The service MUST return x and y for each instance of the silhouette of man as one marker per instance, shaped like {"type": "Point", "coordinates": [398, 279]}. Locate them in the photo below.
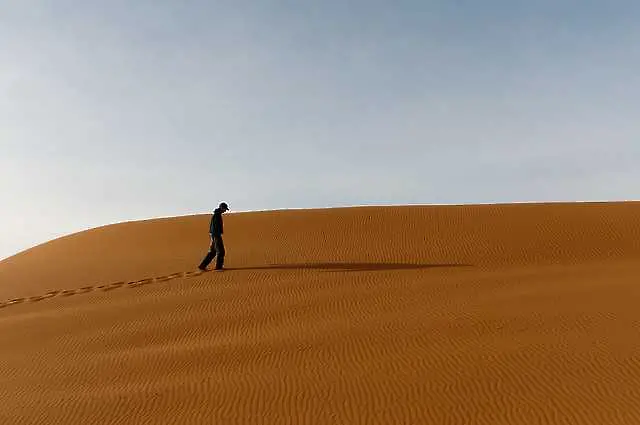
{"type": "Point", "coordinates": [216, 248]}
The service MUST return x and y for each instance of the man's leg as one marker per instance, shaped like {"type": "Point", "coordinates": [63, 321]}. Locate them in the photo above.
{"type": "Point", "coordinates": [207, 259]}
{"type": "Point", "coordinates": [219, 247]}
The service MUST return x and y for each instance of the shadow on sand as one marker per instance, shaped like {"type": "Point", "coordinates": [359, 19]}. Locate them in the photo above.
{"type": "Point", "coordinates": [350, 267]}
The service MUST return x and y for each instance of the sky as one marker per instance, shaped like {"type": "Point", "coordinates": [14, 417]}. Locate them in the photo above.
{"type": "Point", "coordinates": [119, 110]}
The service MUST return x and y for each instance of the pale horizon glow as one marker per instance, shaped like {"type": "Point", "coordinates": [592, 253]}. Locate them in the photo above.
{"type": "Point", "coordinates": [119, 111]}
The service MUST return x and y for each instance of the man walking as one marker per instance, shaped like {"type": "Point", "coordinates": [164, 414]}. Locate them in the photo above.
{"type": "Point", "coordinates": [216, 249]}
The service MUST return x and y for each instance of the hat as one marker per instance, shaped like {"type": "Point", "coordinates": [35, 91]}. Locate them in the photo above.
{"type": "Point", "coordinates": [224, 206]}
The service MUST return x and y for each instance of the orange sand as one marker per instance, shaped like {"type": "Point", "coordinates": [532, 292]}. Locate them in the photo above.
{"type": "Point", "coordinates": [502, 314]}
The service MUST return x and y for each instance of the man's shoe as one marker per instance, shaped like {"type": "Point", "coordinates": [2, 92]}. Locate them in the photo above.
{"type": "Point", "coordinates": [202, 269]}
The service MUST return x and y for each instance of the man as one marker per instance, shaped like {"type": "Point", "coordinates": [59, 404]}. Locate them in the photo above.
{"type": "Point", "coordinates": [216, 248]}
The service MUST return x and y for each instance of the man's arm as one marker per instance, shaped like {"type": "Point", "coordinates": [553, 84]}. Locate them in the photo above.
{"type": "Point", "coordinates": [216, 225]}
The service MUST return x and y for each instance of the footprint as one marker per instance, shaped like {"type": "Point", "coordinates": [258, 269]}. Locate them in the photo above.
{"type": "Point", "coordinates": [84, 290]}
{"type": "Point", "coordinates": [49, 294]}
{"type": "Point", "coordinates": [141, 282]}
{"type": "Point", "coordinates": [169, 277]}
{"type": "Point", "coordinates": [111, 286]}
{"type": "Point", "coordinates": [108, 287]}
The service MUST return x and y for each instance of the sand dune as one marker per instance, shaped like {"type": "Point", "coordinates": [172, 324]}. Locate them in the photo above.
{"type": "Point", "coordinates": [490, 314]}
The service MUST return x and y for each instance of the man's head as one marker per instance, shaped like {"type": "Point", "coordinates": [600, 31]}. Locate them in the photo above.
{"type": "Point", "coordinates": [223, 207]}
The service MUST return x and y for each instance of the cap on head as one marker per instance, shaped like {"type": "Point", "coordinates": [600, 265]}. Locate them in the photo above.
{"type": "Point", "coordinates": [223, 206]}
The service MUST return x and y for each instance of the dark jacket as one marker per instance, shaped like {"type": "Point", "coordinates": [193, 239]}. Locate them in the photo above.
{"type": "Point", "coordinates": [215, 227]}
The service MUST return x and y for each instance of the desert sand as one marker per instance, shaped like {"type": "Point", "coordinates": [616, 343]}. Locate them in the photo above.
{"type": "Point", "coordinates": [485, 314]}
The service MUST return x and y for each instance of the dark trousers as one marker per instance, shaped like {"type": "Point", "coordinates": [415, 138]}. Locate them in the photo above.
{"type": "Point", "coordinates": [216, 249]}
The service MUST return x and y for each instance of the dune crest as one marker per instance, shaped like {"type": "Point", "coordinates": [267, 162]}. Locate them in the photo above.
{"type": "Point", "coordinates": [483, 314]}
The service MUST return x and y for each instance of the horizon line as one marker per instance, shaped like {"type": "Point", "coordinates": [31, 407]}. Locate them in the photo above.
{"type": "Point", "coordinates": [390, 205]}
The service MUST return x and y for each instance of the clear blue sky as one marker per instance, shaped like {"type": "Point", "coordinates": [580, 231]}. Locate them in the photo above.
{"type": "Point", "coordinates": [118, 110]}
